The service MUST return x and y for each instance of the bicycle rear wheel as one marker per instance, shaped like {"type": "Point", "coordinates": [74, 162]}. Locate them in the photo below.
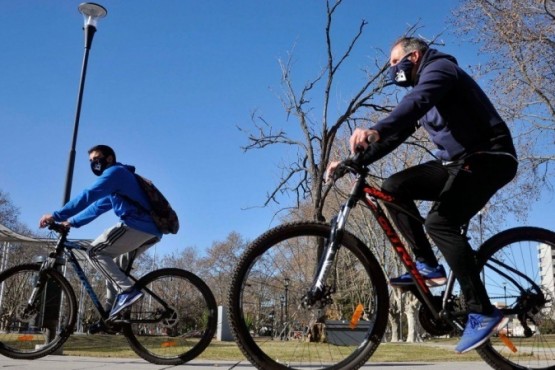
{"type": "Point", "coordinates": [174, 321]}
{"type": "Point", "coordinates": [519, 277]}
{"type": "Point", "coordinates": [29, 331]}
{"type": "Point", "coordinates": [272, 326]}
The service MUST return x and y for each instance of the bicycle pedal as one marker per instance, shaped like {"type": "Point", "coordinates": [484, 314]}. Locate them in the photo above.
{"type": "Point", "coordinates": [118, 320]}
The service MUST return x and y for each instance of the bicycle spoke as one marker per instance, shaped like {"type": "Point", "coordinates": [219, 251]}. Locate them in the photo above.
{"type": "Point", "coordinates": [519, 279]}
{"type": "Point", "coordinates": [275, 327]}
{"type": "Point", "coordinates": [174, 321]}
{"type": "Point", "coordinates": [34, 329]}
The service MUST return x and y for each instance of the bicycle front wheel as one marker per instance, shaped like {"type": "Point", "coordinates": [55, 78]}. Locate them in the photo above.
{"type": "Point", "coordinates": [175, 320]}
{"type": "Point", "coordinates": [33, 327]}
{"type": "Point", "coordinates": [519, 277]}
{"type": "Point", "coordinates": [275, 328]}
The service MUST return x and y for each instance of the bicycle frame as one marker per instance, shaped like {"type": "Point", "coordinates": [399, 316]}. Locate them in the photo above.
{"type": "Point", "coordinates": [66, 249]}
{"type": "Point", "coordinates": [369, 195]}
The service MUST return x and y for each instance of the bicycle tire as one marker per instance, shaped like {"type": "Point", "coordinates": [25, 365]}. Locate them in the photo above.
{"type": "Point", "coordinates": [521, 249]}
{"type": "Point", "coordinates": [189, 325]}
{"type": "Point", "coordinates": [289, 251]}
{"type": "Point", "coordinates": [26, 334]}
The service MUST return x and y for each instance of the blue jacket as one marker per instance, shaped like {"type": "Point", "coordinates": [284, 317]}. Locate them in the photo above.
{"type": "Point", "coordinates": [451, 107]}
{"type": "Point", "coordinates": [105, 194]}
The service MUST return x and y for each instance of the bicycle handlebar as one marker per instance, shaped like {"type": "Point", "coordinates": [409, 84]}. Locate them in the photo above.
{"type": "Point", "coordinates": [350, 165]}
{"type": "Point", "coordinates": [58, 227]}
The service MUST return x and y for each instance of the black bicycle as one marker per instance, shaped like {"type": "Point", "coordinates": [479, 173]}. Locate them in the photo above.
{"type": "Point", "coordinates": [308, 295]}
{"type": "Point", "coordinates": [172, 324]}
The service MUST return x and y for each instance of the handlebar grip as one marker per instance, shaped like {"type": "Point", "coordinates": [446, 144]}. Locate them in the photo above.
{"type": "Point", "coordinates": [58, 227]}
{"type": "Point", "coordinates": [357, 157]}
{"type": "Point", "coordinates": [371, 139]}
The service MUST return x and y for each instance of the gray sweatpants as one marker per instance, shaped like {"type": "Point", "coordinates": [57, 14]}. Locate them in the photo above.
{"type": "Point", "coordinates": [111, 253]}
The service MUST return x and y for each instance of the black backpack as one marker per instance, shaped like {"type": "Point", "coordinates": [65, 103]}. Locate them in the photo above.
{"type": "Point", "coordinates": [161, 211]}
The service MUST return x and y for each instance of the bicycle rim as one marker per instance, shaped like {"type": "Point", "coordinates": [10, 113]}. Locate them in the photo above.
{"type": "Point", "coordinates": [276, 331]}
{"type": "Point", "coordinates": [519, 279]}
{"type": "Point", "coordinates": [28, 332]}
{"type": "Point", "coordinates": [175, 320]}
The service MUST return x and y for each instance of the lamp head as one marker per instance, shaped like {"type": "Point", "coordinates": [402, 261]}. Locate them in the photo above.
{"type": "Point", "coordinates": [92, 12]}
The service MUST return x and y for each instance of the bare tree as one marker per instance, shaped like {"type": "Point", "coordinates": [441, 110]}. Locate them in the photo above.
{"type": "Point", "coordinates": [217, 266]}
{"type": "Point", "coordinates": [316, 145]}
{"type": "Point", "coordinates": [303, 177]}
{"type": "Point", "coordinates": [519, 37]}
{"type": "Point", "coordinates": [9, 215]}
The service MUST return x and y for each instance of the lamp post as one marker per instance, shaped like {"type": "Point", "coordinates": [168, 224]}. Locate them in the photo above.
{"type": "Point", "coordinates": [281, 306]}
{"type": "Point", "coordinates": [286, 286]}
{"type": "Point", "coordinates": [91, 13]}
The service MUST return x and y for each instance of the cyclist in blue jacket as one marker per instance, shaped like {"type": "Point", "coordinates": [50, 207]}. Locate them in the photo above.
{"type": "Point", "coordinates": [475, 157]}
{"type": "Point", "coordinates": [115, 189]}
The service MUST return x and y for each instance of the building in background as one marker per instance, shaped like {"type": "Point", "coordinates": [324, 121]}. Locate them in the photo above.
{"type": "Point", "coordinates": [546, 257]}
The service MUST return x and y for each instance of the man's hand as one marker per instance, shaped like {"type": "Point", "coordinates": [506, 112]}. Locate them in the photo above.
{"type": "Point", "coordinates": [45, 220]}
{"type": "Point", "coordinates": [361, 138]}
{"type": "Point", "coordinates": [330, 170]}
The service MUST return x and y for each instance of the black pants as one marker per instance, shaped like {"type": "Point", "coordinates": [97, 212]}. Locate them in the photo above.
{"type": "Point", "coordinates": [459, 190]}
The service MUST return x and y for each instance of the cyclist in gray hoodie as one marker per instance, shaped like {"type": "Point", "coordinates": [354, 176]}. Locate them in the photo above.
{"type": "Point", "coordinates": [475, 157]}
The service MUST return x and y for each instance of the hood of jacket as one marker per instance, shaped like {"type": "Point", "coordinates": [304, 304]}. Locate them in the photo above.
{"type": "Point", "coordinates": [431, 55]}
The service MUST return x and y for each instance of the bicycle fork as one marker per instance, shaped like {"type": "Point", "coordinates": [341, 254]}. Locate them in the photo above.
{"type": "Point", "coordinates": [319, 291]}
{"type": "Point", "coordinates": [28, 313]}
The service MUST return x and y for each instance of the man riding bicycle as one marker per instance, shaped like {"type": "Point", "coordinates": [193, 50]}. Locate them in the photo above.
{"type": "Point", "coordinates": [475, 158]}
{"type": "Point", "coordinates": [116, 188]}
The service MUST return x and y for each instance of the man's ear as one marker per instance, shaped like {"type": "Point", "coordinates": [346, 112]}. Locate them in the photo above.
{"type": "Point", "coordinates": [416, 56]}
{"type": "Point", "coordinates": [110, 159]}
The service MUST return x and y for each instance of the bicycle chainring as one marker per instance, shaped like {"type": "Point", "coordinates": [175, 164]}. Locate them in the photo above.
{"type": "Point", "coordinates": [434, 326]}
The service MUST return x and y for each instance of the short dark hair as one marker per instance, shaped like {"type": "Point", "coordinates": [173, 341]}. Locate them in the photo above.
{"type": "Point", "coordinates": [104, 149]}
{"type": "Point", "coordinates": [411, 44]}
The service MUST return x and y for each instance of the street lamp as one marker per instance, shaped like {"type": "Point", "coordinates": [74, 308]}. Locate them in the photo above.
{"type": "Point", "coordinates": [91, 13]}
{"type": "Point", "coordinates": [281, 306]}
{"type": "Point", "coordinates": [281, 323]}
{"type": "Point", "coordinates": [286, 286]}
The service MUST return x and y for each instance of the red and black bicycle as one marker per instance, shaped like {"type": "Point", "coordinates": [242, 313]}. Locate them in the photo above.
{"type": "Point", "coordinates": [308, 295]}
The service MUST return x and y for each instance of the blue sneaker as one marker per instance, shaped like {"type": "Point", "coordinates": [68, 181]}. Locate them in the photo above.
{"type": "Point", "coordinates": [124, 300]}
{"type": "Point", "coordinates": [479, 328]}
{"type": "Point", "coordinates": [434, 276]}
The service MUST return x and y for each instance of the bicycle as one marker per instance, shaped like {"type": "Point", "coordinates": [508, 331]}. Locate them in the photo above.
{"type": "Point", "coordinates": [336, 290]}
{"type": "Point", "coordinates": [172, 324]}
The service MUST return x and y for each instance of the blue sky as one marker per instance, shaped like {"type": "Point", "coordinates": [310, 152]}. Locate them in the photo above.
{"type": "Point", "coordinates": [167, 85]}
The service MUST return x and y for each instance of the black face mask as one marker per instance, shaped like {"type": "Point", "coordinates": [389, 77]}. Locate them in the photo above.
{"type": "Point", "coordinates": [401, 73]}
{"type": "Point", "coordinates": [99, 165]}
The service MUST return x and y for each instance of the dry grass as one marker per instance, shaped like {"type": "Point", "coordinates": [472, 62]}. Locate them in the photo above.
{"type": "Point", "coordinates": [117, 346]}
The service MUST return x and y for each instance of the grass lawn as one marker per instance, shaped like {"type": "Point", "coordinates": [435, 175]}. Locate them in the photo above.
{"type": "Point", "coordinates": [116, 346]}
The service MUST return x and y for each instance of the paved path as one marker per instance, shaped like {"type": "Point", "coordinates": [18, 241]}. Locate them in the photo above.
{"type": "Point", "coordinates": [96, 363]}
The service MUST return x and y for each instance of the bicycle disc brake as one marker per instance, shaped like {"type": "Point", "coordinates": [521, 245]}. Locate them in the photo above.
{"type": "Point", "coordinates": [528, 306]}
{"type": "Point", "coordinates": [320, 299]}
{"type": "Point", "coordinates": [170, 318]}
{"type": "Point", "coordinates": [26, 313]}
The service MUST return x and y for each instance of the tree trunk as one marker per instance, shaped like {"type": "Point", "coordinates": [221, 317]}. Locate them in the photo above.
{"type": "Point", "coordinates": [411, 313]}
{"type": "Point", "coordinates": [394, 324]}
